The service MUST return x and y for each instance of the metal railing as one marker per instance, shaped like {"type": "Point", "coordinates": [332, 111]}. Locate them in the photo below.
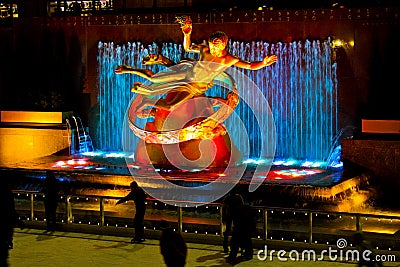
{"type": "Point", "coordinates": [272, 223]}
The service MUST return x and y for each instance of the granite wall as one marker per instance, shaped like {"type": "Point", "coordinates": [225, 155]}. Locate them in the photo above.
{"type": "Point", "coordinates": [381, 156]}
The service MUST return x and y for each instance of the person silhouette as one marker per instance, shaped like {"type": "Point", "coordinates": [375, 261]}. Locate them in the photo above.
{"type": "Point", "coordinates": [243, 227]}
{"type": "Point", "coordinates": [51, 189]}
{"type": "Point", "coordinates": [8, 220]}
{"type": "Point", "coordinates": [172, 246]}
{"type": "Point", "coordinates": [231, 202]}
{"type": "Point", "coordinates": [138, 195]}
{"type": "Point", "coordinates": [367, 255]}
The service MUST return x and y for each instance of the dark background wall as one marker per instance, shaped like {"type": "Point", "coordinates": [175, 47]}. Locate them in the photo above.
{"type": "Point", "coordinates": [51, 62]}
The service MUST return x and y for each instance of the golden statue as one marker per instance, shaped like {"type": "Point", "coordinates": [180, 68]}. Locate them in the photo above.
{"type": "Point", "coordinates": [188, 80]}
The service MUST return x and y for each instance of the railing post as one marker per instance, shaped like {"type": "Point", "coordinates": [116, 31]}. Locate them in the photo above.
{"type": "Point", "coordinates": [310, 226]}
{"type": "Point", "coordinates": [32, 206]}
{"type": "Point", "coordinates": [358, 224]}
{"type": "Point", "coordinates": [180, 219]}
{"type": "Point", "coordinates": [101, 211]}
{"type": "Point", "coordinates": [68, 209]}
{"type": "Point", "coordinates": [265, 224]}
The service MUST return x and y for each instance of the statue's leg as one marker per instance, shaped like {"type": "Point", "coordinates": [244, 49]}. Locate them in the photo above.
{"type": "Point", "coordinates": [161, 77]}
{"type": "Point", "coordinates": [160, 89]}
{"type": "Point", "coordinates": [144, 73]}
{"type": "Point", "coordinates": [142, 89]}
{"type": "Point", "coordinates": [150, 90]}
{"type": "Point", "coordinates": [169, 76]}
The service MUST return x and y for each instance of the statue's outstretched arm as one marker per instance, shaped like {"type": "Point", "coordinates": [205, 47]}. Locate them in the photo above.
{"type": "Point", "coordinates": [267, 61]}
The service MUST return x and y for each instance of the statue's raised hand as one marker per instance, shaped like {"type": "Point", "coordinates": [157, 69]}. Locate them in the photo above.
{"type": "Point", "coordinates": [185, 23]}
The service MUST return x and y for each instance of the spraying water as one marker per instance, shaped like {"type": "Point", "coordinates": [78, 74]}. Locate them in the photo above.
{"type": "Point", "coordinates": [301, 89]}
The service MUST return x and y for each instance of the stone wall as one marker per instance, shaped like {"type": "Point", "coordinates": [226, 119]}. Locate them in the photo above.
{"type": "Point", "coordinates": [380, 156]}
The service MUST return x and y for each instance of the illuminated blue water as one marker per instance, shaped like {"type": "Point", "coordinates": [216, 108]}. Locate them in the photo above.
{"type": "Point", "coordinates": [301, 89]}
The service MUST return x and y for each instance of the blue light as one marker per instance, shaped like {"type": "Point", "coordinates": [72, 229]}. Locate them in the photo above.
{"type": "Point", "coordinates": [301, 89]}
{"type": "Point", "coordinates": [92, 154]}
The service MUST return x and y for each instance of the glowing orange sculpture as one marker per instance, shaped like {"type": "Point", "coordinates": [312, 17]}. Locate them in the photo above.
{"type": "Point", "coordinates": [174, 124]}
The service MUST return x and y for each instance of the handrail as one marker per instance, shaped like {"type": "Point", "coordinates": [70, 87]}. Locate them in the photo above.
{"type": "Point", "coordinates": [354, 214]}
{"type": "Point", "coordinates": [265, 216]}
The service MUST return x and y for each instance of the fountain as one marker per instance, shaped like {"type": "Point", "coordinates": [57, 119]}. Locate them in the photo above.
{"type": "Point", "coordinates": [301, 89]}
{"type": "Point", "coordinates": [301, 103]}
{"type": "Point", "coordinates": [301, 100]}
